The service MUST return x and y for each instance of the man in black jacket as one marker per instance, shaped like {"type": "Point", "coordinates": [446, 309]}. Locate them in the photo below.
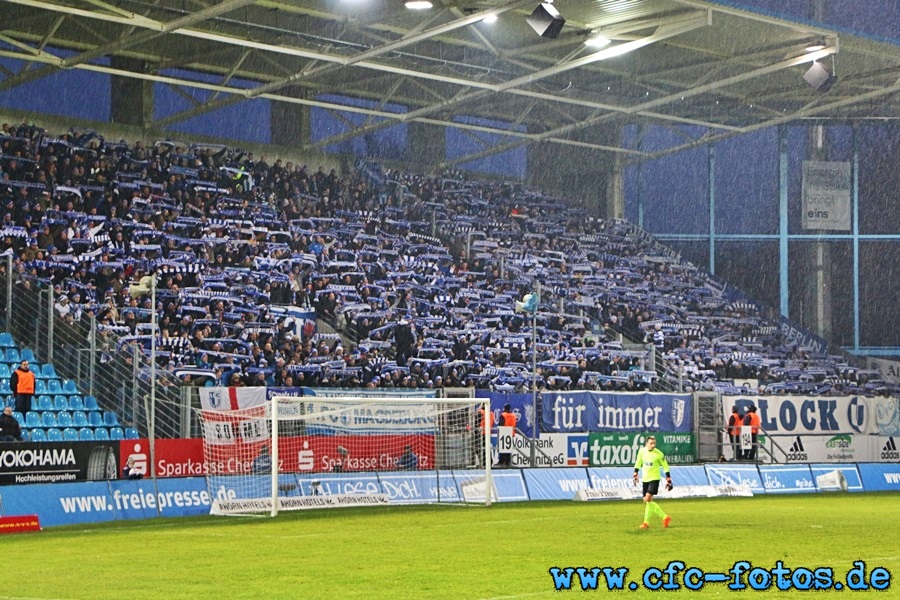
{"type": "Point", "coordinates": [9, 427]}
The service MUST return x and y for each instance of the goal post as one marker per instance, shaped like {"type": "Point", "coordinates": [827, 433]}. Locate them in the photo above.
{"type": "Point", "coordinates": [293, 452]}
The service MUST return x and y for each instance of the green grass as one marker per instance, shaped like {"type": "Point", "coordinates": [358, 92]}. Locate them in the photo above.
{"type": "Point", "coordinates": [447, 552]}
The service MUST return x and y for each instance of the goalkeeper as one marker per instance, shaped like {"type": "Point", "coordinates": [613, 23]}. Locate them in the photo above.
{"type": "Point", "coordinates": [654, 464]}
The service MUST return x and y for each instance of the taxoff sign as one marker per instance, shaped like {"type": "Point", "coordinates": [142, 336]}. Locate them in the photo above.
{"type": "Point", "coordinates": [620, 449]}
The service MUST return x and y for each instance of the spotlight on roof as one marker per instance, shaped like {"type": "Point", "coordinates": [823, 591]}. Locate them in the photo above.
{"type": "Point", "coordinates": [418, 4]}
{"type": "Point", "coordinates": [546, 21]}
{"type": "Point", "coordinates": [596, 41]}
{"type": "Point", "coordinates": [489, 19]}
{"type": "Point", "coordinates": [816, 46]}
{"type": "Point", "coordinates": [819, 77]}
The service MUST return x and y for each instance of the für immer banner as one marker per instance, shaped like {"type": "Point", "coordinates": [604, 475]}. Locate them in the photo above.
{"type": "Point", "coordinates": [565, 412]}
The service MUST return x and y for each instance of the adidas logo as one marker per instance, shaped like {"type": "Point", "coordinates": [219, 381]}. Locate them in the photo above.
{"type": "Point", "coordinates": [889, 452]}
{"type": "Point", "coordinates": [797, 451]}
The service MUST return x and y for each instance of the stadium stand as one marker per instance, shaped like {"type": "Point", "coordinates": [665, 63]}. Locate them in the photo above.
{"type": "Point", "coordinates": [417, 277]}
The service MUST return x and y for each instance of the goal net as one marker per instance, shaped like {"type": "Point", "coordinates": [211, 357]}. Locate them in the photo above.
{"type": "Point", "coordinates": [308, 452]}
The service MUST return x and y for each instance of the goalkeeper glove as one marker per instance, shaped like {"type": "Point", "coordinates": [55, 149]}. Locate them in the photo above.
{"type": "Point", "coordinates": [669, 485]}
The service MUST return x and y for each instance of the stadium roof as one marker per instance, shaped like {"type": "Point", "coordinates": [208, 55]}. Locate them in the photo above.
{"type": "Point", "coordinates": [670, 62]}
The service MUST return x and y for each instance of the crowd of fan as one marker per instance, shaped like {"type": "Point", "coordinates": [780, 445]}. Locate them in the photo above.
{"type": "Point", "coordinates": [418, 277]}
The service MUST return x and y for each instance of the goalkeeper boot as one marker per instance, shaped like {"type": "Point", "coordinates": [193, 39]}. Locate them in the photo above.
{"type": "Point", "coordinates": [645, 525]}
{"type": "Point", "coordinates": [666, 520]}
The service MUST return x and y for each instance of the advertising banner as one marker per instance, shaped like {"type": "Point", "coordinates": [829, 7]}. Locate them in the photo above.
{"type": "Point", "coordinates": [723, 474]}
{"type": "Point", "coordinates": [885, 449]}
{"type": "Point", "coordinates": [330, 453]}
{"type": "Point", "coordinates": [57, 462]}
{"type": "Point", "coordinates": [849, 476]}
{"type": "Point", "coordinates": [235, 398]}
{"type": "Point", "coordinates": [879, 477]}
{"type": "Point", "coordinates": [597, 411]}
{"type": "Point", "coordinates": [551, 450]}
{"type": "Point", "coordinates": [826, 195]}
{"type": "Point", "coordinates": [801, 415]}
{"type": "Point", "coordinates": [94, 502]}
{"type": "Point", "coordinates": [787, 479]}
{"type": "Point", "coordinates": [613, 478]}
{"type": "Point", "coordinates": [555, 484]}
{"type": "Point", "coordinates": [620, 449]}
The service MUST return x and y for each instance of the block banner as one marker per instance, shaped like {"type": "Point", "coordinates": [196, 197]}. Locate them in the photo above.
{"type": "Point", "coordinates": [788, 414]}
{"type": "Point", "coordinates": [880, 478]}
{"type": "Point", "coordinates": [555, 484]}
{"type": "Point", "coordinates": [787, 479]}
{"type": "Point", "coordinates": [848, 473]}
{"type": "Point", "coordinates": [628, 412]}
{"type": "Point", "coordinates": [735, 475]}
{"type": "Point", "coordinates": [620, 449]}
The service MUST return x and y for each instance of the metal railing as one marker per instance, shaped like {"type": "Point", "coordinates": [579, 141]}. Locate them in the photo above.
{"type": "Point", "coordinates": [65, 333]}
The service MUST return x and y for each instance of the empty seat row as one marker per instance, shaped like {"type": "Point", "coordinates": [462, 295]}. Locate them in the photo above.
{"type": "Point", "coordinates": [10, 359]}
{"type": "Point", "coordinates": [77, 418]}
{"type": "Point", "coordinates": [58, 402]}
{"type": "Point", "coordinates": [83, 434]}
{"type": "Point", "coordinates": [15, 356]}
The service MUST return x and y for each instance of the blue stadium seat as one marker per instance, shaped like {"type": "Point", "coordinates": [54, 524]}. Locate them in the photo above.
{"type": "Point", "coordinates": [81, 419]}
{"type": "Point", "coordinates": [86, 434]}
{"type": "Point", "coordinates": [76, 403]}
{"type": "Point", "coordinates": [48, 419]}
{"type": "Point", "coordinates": [70, 434]}
{"type": "Point", "coordinates": [69, 386]}
{"type": "Point", "coordinates": [12, 355]}
{"type": "Point", "coordinates": [4, 386]}
{"type": "Point", "coordinates": [32, 419]}
{"type": "Point", "coordinates": [6, 340]}
{"type": "Point", "coordinates": [110, 419]}
{"type": "Point", "coordinates": [90, 403]}
{"type": "Point", "coordinates": [131, 433]}
{"type": "Point", "coordinates": [54, 386]}
{"type": "Point", "coordinates": [101, 434]}
{"type": "Point", "coordinates": [95, 418]}
{"type": "Point", "coordinates": [40, 385]}
{"type": "Point", "coordinates": [64, 419]}
{"type": "Point", "coordinates": [20, 418]}
{"type": "Point", "coordinates": [60, 402]}
{"type": "Point", "coordinates": [48, 371]}
{"type": "Point", "coordinates": [27, 354]}
{"type": "Point", "coordinates": [43, 403]}
{"type": "Point", "coordinates": [116, 433]}
{"type": "Point", "coordinates": [37, 435]}
{"type": "Point", "coordinates": [54, 435]}
{"type": "Point", "coordinates": [7, 401]}
{"type": "Point", "coordinates": [5, 371]}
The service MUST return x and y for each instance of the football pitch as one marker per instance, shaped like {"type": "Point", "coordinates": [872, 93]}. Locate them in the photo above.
{"type": "Point", "coordinates": [502, 552]}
